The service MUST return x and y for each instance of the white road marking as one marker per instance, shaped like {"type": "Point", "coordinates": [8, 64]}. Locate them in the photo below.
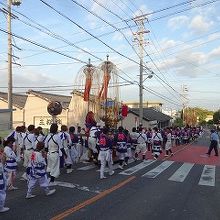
{"type": "Point", "coordinates": [158, 170]}
{"type": "Point", "coordinates": [208, 176]}
{"type": "Point", "coordinates": [182, 172]}
{"type": "Point", "coordinates": [89, 167]}
{"type": "Point", "coordinates": [138, 167]}
{"type": "Point", "coordinates": [72, 186]}
{"type": "Point", "coordinates": [115, 166]}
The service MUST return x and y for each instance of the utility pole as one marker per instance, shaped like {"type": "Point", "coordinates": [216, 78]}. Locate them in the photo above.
{"type": "Point", "coordinates": [139, 37]}
{"type": "Point", "coordinates": [9, 64]}
{"type": "Point", "coordinates": [185, 102]}
{"type": "Point", "coordinates": [10, 101]}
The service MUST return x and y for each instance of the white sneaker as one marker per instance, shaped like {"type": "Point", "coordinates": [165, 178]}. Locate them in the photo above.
{"type": "Point", "coordinates": [112, 172]}
{"type": "Point", "coordinates": [50, 192]}
{"type": "Point", "coordinates": [10, 188]}
{"type": "Point", "coordinates": [52, 184]}
{"type": "Point", "coordinates": [24, 176]}
{"type": "Point", "coordinates": [103, 177]}
{"type": "Point", "coordinates": [69, 170]}
{"type": "Point", "coordinates": [30, 196]}
{"type": "Point", "coordinates": [4, 209]}
{"type": "Point", "coordinates": [120, 167]}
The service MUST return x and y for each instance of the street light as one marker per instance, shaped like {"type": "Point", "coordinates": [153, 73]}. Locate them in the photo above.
{"type": "Point", "coordinates": [10, 105]}
{"type": "Point", "coordinates": [149, 76]}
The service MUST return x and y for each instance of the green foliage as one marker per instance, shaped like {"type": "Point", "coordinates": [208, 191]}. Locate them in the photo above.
{"type": "Point", "coordinates": [202, 123]}
{"type": "Point", "coordinates": [202, 113]}
{"type": "Point", "coordinates": [210, 122]}
{"type": "Point", "coordinates": [178, 122]}
{"type": "Point", "coordinates": [216, 117]}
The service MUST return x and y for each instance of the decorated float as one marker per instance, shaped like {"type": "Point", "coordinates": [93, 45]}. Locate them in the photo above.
{"type": "Point", "coordinates": [99, 86]}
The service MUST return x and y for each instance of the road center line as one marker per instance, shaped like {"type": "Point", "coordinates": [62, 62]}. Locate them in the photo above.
{"type": "Point", "coordinates": [91, 200]}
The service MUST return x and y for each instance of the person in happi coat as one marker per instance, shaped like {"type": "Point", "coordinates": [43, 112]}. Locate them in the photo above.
{"type": "Point", "coordinates": [36, 172]}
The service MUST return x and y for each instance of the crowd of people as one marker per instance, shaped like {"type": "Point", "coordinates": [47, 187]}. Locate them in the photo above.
{"type": "Point", "coordinates": [44, 155]}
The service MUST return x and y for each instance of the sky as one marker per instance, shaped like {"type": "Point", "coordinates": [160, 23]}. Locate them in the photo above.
{"type": "Point", "coordinates": [181, 47]}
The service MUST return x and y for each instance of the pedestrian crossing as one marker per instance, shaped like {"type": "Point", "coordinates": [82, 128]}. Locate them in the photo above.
{"type": "Point", "coordinates": [158, 170]}
{"type": "Point", "coordinates": [181, 174]}
{"type": "Point", "coordinates": [207, 178]}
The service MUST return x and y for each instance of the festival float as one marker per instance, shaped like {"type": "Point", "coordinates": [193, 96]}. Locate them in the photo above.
{"type": "Point", "coordinates": [99, 87]}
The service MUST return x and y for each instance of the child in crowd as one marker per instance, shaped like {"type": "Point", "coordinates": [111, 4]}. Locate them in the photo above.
{"type": "Point", "coordinates": [2, 183]}
{"type": "Point", "coordinates": [36, 172]}
{"type": "Point", "coordinates": [10, 163]}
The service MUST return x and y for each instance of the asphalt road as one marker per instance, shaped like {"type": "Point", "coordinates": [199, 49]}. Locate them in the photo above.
{"type": "Point", "coordinates": [147, 191]}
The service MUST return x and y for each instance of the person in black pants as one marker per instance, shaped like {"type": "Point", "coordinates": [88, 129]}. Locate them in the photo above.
{"type": "Point", "coordinates": [214, 138]}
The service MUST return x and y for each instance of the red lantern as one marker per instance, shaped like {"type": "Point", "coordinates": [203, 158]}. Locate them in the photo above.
{"type": "Point", "coordinates": [124, 110]}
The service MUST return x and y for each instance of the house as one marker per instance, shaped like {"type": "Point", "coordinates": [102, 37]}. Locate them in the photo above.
{"type": "Point", "coordinates": [151, 118]}
{"type": "Point", "coordinates": [146, 104]}
{"type": "Point", "coordinates": [36, 108]}
{"type": "Point", "coordinates": [32, 109]}
{"type": "Point", "coordinates": [18, 106]}
{"type": "Point", "coordinates": [5, 115]}
{"type": "Point", "coordinates": [209, 118]}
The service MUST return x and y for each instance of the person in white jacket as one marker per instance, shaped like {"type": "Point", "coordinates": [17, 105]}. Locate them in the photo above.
{"type": "Point", "coordinates": [28, 146]}
{"type": "Point", "coordinates": [10, 163]}
{"type": "Point", "coordinates": [54, 147]}
{"type": "Point", "coordinates": [168, 144]}
{"type": "Point", "coordinates": [3, 183]}
{"type": "Point", "coordinates": [156, 143]}
{"type": "Point", "coordinates": [66, 142]}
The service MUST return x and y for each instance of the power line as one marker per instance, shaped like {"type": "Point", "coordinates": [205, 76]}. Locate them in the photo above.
{"type": "Point", "coordinates": [105, 34]}
{"type": "Point", "coordinates": [42, 46]}
{"type": "Point", "coordinates": [193, 39]}
{"type": "Point", "coordinates": [167, 8]}
{"type": "Point", "coordinates": [52, 34]}
{"type": "Point", "coordinates": [79, 26]}
{"type": "Point", "coordinates": [139, 43]}
{"type": "Point", "coordinates": [99, 17]}
{"type": "Point", "coordinates": [187, 9]}
{"type": "Point", "coordinates": [124, 28]}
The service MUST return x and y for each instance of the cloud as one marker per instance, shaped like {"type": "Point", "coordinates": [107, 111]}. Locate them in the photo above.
{"type": "Point", "coordinates": [214, 36]}
{"type": "Point", "coordinates": [28, 78]}
{"type": "Point", "coordinates": [177, 22]}
{"type": "Point", "coordinates": [168, 43]}
{"type": "Point", "coordinates": [143, 9]}
{"type": "Point", "coordinates": [119, 36]}
{"type": "Point", "coordinates": [199, 24]}
{"type": "Point", "coordinates": [186, 64]}
{"type": "Point", "coordinates": [215, 53]}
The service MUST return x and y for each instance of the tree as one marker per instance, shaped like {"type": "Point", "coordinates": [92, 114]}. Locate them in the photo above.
{"type": "Point", "coordinates": [202, 113]}
{"type": "Point", "coordinates": [178, 122]}
{"type": "Point", "coordinates": [210, 122]}
{"type": "Point", "coordinates": [216, 117]}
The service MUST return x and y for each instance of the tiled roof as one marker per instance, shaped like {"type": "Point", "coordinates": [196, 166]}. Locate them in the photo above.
{"type": "Point", "coordinates": [64, 100]}
{"type": "Point", "coordinates": [151, 114]}
{"type": "Point", "coordinates": [18, 100]}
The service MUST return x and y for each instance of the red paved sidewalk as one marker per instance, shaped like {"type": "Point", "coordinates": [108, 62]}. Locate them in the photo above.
{"type": "Point", "coordinates": [196, 154]}
{"type": "Point", "coordinates": [190, 154]}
